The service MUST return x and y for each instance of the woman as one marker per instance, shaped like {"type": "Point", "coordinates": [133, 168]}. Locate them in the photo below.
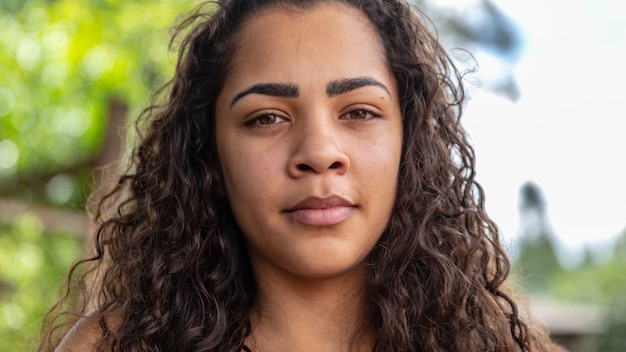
{"type": "Point", "coordinates": [305, 186]}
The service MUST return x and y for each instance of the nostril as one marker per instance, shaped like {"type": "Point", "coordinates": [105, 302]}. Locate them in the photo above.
{"type": "Point", "coordinates": [335, 165]}
{"type": "Point", "coordinates": [303, 167]}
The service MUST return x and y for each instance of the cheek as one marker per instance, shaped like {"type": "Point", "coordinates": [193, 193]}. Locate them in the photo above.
{"type": "Point", "coordinates": [251, 184]}
{"type": "Point", "coordinates": [384, 167]}
{"type": "Point", "coordinates": [381, 156]}
{"type": "Point", "coordinates": [248, 173]}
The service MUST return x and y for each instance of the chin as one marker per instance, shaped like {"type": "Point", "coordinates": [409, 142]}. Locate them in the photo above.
{"type": "Point", "coordinates": [329, 270]}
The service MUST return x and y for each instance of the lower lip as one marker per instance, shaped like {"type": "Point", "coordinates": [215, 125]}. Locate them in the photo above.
{"type": "Point", "coordinates": [322, 217]}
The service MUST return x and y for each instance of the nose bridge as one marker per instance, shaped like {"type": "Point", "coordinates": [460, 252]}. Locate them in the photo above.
{"type": "Point", "coordinates": [318, 145]}
{"type": "Point", "coordinates": [317, 133]}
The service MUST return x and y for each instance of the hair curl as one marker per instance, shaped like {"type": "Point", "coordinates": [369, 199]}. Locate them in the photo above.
{"type": "Point", "coordinates": [170, 263]}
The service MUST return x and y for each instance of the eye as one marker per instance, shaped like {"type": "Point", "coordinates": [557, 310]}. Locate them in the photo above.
{"type": "Point", "coordinates": [265, 119]}
{"type": "Point", "coordinates": [361, 113]}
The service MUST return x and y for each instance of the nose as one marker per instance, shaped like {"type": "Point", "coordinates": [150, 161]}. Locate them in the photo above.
{"type": "Point", "coordinates": [318, 149]}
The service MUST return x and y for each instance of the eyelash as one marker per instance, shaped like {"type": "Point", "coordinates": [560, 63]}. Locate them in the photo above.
{"type": "Point", "coordinates": [363, 109]}
{"type": "Point", "coordinates": [369, 114]}
{"type": "Point", "coordinates": [255, 121]}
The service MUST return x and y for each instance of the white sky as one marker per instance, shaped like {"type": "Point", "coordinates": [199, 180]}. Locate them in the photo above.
{"type": "Point", "coordinates": [567, 132]}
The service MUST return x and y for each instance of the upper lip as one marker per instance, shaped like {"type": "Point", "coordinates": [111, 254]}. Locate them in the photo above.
{"type": "Point", "coordinates": [320, 203]}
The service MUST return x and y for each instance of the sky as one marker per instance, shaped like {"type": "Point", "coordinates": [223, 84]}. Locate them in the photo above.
{"type": "Point", "coordinates": [567, 130]}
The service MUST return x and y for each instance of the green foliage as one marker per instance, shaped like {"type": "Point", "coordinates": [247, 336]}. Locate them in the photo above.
{"type": "Point", "coordinates": [32, 266]}
{"type": "Point", "coordinates": [62, 61]}
{"type": "Point", "coordinates": [597, 281]}
{"type": "Point", "coordinates": [614, 338]}
{"type": "Point", "coordinates": [537, 263]}
{"type": "Point", "coordinates": [602, 284]}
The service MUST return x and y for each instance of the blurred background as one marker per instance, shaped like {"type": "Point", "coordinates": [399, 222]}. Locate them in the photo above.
{"type": "Point", "coordinates": [544, 118]}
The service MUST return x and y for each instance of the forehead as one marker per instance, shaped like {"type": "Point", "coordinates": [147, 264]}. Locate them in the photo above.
{"type": "Point", "coordinates": [331, 38]}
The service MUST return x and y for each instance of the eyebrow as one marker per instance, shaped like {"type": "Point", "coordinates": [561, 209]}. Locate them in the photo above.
{"type": "Point", "coordinates": [286, 90]}
{"type": "Point", "coordinates": [346, 85]}
{"type": "Point", "coordinates": [289, 90]}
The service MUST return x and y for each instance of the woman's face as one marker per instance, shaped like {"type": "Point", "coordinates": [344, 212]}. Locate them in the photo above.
{"type": "Point", "coordinates": [309, 135]}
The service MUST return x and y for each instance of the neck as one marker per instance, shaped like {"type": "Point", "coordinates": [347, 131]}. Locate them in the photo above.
{"type": "Point", "coordinates": [304, 315]}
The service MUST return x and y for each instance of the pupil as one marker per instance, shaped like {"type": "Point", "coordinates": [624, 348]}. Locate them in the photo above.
{"type": "Point", "coordinates": [359, 114]}
{"type": "Point", "coordinates": [267, 119]}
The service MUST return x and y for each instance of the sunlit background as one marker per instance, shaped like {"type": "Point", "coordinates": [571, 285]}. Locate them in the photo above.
{"type": "Point", "coordinates": [563, 126]}
{"type": "Point", "coordinates": [545, 118]}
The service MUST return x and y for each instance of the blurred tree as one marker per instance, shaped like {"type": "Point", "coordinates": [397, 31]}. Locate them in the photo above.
{"type": "Point", "coordinates": [536, 260]}
{"type": "Point", "coordinates": [31, 267]}
{"type": "Point", "coordinates": [70, 71]}
{"type": "Point", "coordinates": [67, 67]}
{"type": "Point", "coordinates": [611, 279]}
{"type": "Point", "coordinates": [600, 282]}
{"type": "Point", "coordinates": [488, 29]}
{"type": "Point", "coordinates": [481, 26]}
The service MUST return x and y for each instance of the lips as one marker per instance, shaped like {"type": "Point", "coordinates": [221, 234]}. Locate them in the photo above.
{"type": "Point", "coordinates": [316, 211]}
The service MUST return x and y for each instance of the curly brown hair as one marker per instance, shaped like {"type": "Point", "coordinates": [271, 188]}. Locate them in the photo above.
{"type": "Point", "coordinates": [170, 269]}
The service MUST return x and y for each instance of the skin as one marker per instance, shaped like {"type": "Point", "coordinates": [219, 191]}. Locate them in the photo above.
{"type": "Point", "coordinates": [309, 135]}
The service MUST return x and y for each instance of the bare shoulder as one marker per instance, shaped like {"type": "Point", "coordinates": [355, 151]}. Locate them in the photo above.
{"type": "Point", "coordinates": [85, 335]}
